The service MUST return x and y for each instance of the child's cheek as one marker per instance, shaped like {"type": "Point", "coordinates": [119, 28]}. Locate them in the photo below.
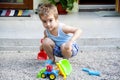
{"type": "Point", "coordinates": [53, 24]}
{"type": "Point", "coordinates": [45, 26]}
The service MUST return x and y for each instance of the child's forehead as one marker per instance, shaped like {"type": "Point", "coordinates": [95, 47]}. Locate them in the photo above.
{"type": "Point", "coordinates": [51, 16]}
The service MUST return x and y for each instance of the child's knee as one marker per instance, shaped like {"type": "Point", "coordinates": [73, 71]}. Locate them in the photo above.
{"type": "Point", "coordinates": [47, 42]}
{"type": "Point", "coordinates": [68, 49]}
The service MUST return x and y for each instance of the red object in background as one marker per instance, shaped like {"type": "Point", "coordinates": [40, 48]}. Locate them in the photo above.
{"type": "Point", "coordinates": [8, 13]}
{"type": "Point", "coordinates": [42, 55]}
{"type": "Point", "coordinates": [60, 9]}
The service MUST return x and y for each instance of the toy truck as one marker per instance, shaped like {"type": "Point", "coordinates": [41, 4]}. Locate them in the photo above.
{"type": "Point", "coordinates": [48, 72]}
{"type": "Point", "coordinates": [63, 68]}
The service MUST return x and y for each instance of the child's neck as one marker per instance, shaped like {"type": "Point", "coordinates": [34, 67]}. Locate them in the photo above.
{"type": "Point", "coordinates": [55, 31]}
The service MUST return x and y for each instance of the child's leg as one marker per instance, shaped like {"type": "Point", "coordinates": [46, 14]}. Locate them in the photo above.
{"type": "Point", "coordinates": [48, 46]}
{"type": "Point", "coordinates": [70, 52]}
{"type": "Point", "coordinates": [67, 53]}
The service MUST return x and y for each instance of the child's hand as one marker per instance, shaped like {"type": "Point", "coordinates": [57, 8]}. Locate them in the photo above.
{"type": "Point", "coordinates": [41, 47]}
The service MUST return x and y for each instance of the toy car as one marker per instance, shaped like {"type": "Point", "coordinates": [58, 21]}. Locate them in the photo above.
{"type": "Point", "coordinates": [63, 68]}
{"type": "Point", "coordinates": [48, 72]}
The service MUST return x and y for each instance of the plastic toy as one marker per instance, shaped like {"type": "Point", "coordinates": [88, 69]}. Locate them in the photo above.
{"type": "Point", "coordinates": [48, 72]}
{"type": "Point", "coordinates": [63, 68]}
{"type": "Point", "coordinates": [42, 55]}
{"type": "Point", "coordinates": [39, 75]}
{"type": "Point", "coordinates": [91, 72]}
{"type": "Point", "coordinates": [47, 62]}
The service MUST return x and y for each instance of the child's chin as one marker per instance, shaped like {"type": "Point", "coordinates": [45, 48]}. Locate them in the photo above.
{"type": "Point", "coordinates": [50, 29]}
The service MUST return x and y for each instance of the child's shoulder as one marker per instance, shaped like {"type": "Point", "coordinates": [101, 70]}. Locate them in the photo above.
{"type": "Point", "coordinates": [62, 25]}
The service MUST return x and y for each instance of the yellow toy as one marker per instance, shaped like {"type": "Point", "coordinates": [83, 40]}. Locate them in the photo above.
{"type": "Point", "coordinates": [63, 68]}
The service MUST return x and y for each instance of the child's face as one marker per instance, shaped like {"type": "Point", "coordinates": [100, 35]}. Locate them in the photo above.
{"type": "Point", "coordinates": [49, 22]}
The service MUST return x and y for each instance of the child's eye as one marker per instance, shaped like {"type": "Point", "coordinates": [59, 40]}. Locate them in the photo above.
{"type": "Point", "coordinates": [51, 20]}
{"type": "Point", "coordinates": [44, 21]}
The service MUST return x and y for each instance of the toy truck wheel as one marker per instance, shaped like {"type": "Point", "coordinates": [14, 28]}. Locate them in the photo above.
{"type": "Point", "coordinates": [52, 76]}
{"type": "Point", "coordinates": [43, 75]}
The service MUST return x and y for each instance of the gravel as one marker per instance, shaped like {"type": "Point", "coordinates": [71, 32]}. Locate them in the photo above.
{"type": "Point", "coordinates": [16, 65]}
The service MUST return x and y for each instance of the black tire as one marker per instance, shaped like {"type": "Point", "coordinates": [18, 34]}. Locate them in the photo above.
{"type": "Point", "coordinates": [43, 75]}
{"type": "Point", "coordinates": [52, 76]}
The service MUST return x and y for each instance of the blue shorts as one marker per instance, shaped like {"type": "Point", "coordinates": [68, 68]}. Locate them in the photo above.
{"type": "Point", "coordinates": [57, 50]}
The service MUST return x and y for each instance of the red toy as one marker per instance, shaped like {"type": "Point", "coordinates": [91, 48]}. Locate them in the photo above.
{"type": "Point", "coordinates": [49, 68]}
{"type": "Point", "coordinates": [42, 55]}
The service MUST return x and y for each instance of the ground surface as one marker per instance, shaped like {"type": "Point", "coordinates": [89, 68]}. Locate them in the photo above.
{"type": "Point", "coordinates": [25, 66]}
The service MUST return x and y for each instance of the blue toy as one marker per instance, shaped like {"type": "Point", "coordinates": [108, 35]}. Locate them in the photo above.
{"type": "Point", "coordinates": [48, 62]}
{"type": "Point", "coordinates": [91, 72]}
{"type": "Point", "coordinates": [48, 72]}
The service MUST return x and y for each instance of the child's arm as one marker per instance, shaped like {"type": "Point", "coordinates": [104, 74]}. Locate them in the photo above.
{"type": "Point", "coordinates": [41, 47]}
{"type": "Point", "coordinates": [75, 31]}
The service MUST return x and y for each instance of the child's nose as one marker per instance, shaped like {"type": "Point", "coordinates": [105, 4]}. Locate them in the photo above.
{"type": "Point", "coordinates": [48, 23]}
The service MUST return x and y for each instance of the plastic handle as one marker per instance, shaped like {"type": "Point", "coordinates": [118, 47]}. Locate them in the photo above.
{"type": "Point", "coordinates": [91, 72]}
{"type": "Point", "coordinates": [41, 40]}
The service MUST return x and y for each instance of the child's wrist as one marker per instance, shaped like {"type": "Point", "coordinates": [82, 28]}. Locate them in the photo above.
{"type": "Point", "coordinates": [71, 41]}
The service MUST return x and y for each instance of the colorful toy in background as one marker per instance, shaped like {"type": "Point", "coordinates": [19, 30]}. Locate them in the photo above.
{"type": "Point", "coordinates": [63, 68]}
{"type": "Point", "coordinates": [42, 55]}
{"type": "Point", "coordinates": [91, 72]}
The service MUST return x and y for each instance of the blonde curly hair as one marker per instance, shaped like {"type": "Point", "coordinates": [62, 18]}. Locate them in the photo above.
{"type": "Point", "coordinates": [47, 9]}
